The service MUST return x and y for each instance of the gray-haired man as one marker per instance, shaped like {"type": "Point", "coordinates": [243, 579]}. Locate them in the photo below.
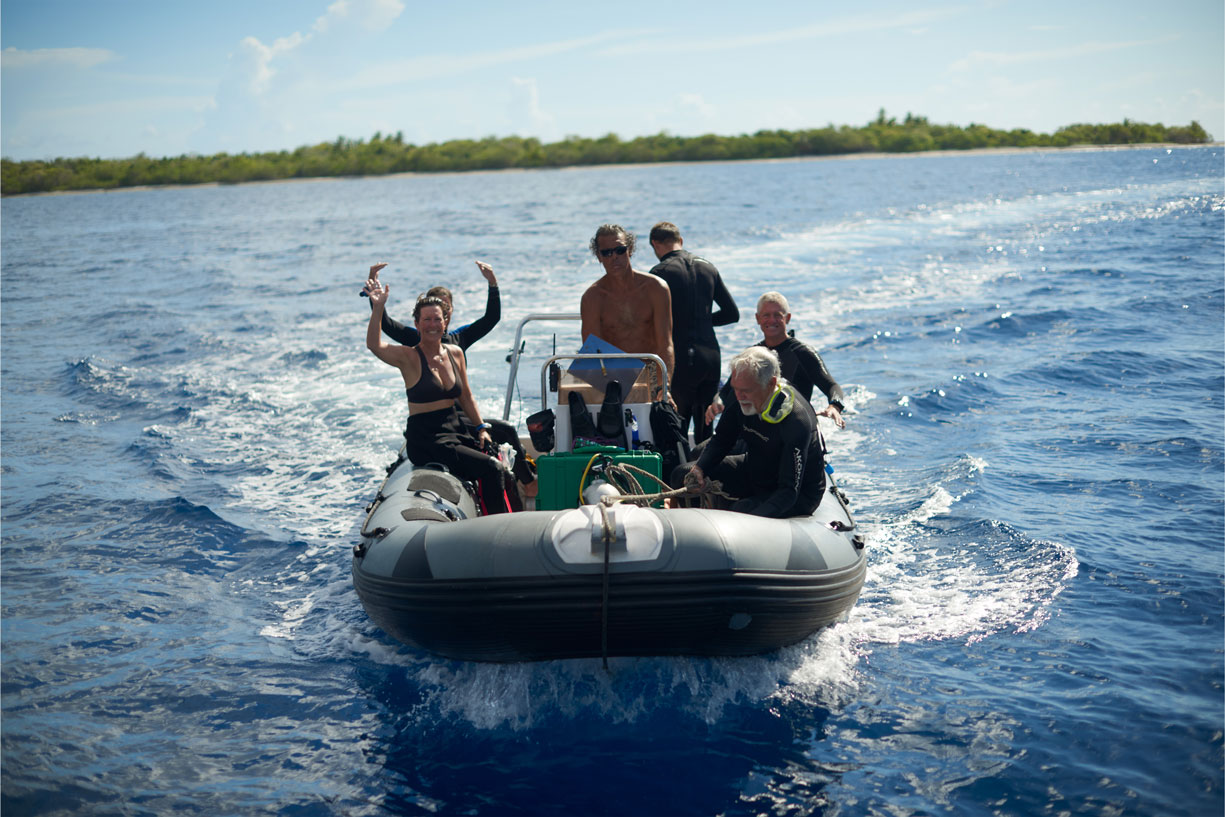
{"type": "Point", "coordinates": [782, 472]}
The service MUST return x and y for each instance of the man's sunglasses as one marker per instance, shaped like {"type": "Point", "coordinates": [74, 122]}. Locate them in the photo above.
{"type": "Point", "coordinates": [620, 249]}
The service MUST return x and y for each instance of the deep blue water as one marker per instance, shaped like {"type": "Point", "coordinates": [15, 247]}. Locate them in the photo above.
{"type": "Point", "coordinates": [1033, 347]}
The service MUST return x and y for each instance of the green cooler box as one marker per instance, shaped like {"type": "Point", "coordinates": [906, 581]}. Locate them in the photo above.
{"type": "Point", "coordinates": [558, 475]}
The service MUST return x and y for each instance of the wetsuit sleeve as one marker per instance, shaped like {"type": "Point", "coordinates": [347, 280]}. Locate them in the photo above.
{"type": "Point", "coordinates": [793, 459]}
{"type": "Point", "coordinates": [727, 311]}
{"type": "Point", "coordinates": [725, 436]}
{"type": "Point", "coordinates": [406, 335]}
{"type": "Point", "coordinates": [814, 369]}
{"type": "Point", "coordinates": [470, 334]}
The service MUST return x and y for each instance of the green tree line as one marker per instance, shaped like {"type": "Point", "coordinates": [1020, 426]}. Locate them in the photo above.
{"type": "Point", "coordinates": [390, 154]}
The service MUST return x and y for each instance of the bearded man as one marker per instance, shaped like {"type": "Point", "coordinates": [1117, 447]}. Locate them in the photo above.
{"type": "Point", "coordinates": [782, 472]}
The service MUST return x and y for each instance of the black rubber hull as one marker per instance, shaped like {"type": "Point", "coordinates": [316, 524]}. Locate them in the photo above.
{"type": "Point", "coordinates": [740, 613]}
{"type": "Point", "coordinates": [578, 583]}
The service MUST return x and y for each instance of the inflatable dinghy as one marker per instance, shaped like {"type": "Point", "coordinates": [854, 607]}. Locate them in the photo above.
{"type": "Point", "coordinates": [611, 578]}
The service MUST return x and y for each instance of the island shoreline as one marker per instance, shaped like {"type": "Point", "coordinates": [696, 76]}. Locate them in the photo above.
{"type": "Point", "coordinates": [931, 154]}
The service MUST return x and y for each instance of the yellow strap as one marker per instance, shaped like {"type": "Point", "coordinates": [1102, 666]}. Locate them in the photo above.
{"type": "Point", "coordinates": [783, 410]}
{"type": "Point", "coordinates": [583, 478]}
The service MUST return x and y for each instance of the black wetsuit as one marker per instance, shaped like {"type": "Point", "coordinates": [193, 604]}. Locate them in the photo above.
{"type": "Point", "coordinates": [696, 286]}
{"type": "Point", "coordinates": [783, 472]}
{"type": "Point", "coordinates": [803, 368]}
{"type": "Point", "coordinates": [463, 337]}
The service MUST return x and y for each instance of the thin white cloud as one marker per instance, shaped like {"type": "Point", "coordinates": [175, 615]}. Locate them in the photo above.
{"type": "Point", "coordinates": [256, 59]}
{"type": "Point", "coordinates": [524, 109]}
{"type": "Point", "coordinates": [415, 69]}
{"type": "Point", "coordinates": [54, 57]}
{"type": "Point", "coordinates": [694, 104]}
{"type": "Point", "coordinates": [112, 128]}
{"type": "Point", "coordinates": [372, 15]}
{"type": "Point", "coordinates": [199, 84]}
{"type": "Point", "coordinates": [976, 60]}
{"type": "Point", "coordinates": [144, 106]}
{"type": "Point", "coordinates": [833, 28]}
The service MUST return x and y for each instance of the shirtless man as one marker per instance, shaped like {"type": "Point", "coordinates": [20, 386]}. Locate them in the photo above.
{"type": "Point", "coordinates": [632, 310]}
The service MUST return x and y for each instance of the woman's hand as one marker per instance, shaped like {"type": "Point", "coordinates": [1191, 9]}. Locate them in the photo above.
{"type": "Point", "coordinates": [378, 294]}
{"type": "Point", "coordinates": [714, 410]}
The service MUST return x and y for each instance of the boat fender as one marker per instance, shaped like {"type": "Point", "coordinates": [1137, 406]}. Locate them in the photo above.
{"type": "Point", "coordinates": [597, 490]}
{"type": "Point", "coordinates": [579, 535]}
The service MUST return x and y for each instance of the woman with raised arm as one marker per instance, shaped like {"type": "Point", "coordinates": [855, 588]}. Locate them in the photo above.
{"type": "Point", "coordinates": [436, 382]}
{"type": "Point", "coordinates": [463, 337]}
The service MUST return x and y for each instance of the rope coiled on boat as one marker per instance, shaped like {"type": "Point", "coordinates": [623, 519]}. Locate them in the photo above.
{"type": "Point", "coordinates": [623, 478]}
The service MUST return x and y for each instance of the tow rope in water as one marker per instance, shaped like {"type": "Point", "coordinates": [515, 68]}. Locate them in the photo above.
{"type": "Point", "coordinates": [626, 472]}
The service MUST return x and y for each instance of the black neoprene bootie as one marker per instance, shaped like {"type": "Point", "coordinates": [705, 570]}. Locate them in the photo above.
{"type": "Point", "coordinates": [611, 419]}
{"type": "Point", "coordinates": [580, 418]}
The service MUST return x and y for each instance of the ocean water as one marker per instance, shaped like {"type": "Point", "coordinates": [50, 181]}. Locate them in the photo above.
{"type": "Point", "coordinates": [1033, 350]}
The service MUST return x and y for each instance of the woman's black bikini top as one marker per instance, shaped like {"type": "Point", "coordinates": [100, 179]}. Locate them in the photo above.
{"type": "Point", "coordinates": [428, 388]}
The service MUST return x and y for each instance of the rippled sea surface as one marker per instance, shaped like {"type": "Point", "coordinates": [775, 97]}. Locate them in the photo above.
{"type": "Point", "coordinates": [1033, 349]}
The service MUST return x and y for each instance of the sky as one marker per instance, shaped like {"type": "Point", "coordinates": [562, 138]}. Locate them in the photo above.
{"type": "Point", "coordinates": [170, 77]}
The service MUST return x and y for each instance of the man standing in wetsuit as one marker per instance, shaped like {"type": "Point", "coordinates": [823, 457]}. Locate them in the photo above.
{"type": "Point", "coordinates": [782, 472]}
{"type": "Point", "coordinates": [800, 364]}
{"type": "Point", "coordinates": [695, 285]}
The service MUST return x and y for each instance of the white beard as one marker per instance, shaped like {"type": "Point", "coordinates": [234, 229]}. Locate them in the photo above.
{"type": "Point", "coordinates": [747, 409]}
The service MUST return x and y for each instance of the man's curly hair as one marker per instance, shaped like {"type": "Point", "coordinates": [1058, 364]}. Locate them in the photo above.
{"type": "Point", "coordinates": [612, 229]}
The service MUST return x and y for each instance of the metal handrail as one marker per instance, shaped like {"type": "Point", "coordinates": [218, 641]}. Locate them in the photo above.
{"type": "Point", "coordinates": [516, 351]}
{"type": "Point", "coordinates": [647, 356]}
